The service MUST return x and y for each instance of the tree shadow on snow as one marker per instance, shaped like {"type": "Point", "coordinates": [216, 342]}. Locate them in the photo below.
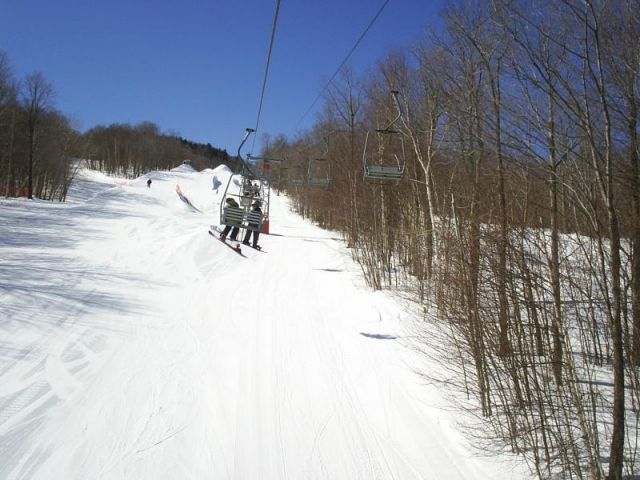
{"type": "Point", "coordinates": [378, 336]}
{"type": "Point", "coordinates": [305, 237]}
{"type": "Point", "coordinates": [51, 225]}
{"type": "Point", "coordinates": [61, 314]}
{"type": "Point", "coordinates": [44, 287]}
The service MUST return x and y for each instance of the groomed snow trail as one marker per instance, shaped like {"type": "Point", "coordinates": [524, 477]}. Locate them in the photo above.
{"type": "Point", "coordinates": [135, 346]}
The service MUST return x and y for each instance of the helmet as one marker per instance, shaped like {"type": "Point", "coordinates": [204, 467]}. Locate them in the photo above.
{"type": "Point", "coordinates": [257, 203]}
{"type": "Point", "coordinates": [229, 200]}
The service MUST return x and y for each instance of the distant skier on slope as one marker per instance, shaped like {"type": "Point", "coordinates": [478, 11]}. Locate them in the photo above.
{"type": "Point", "coordinates": [149, 183]}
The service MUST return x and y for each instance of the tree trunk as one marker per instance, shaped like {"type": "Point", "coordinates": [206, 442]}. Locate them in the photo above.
{"type": "Point", "coordinates": [635, 231]}
{"type": "Point", "coordinates": [554, 261]}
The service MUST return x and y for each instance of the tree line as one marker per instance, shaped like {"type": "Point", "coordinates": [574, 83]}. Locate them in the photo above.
{"type": "Point", "coordinates": [130, 151]}
{"type": "Point", "coordinates": [517, 225]}
{"type": "Point", "coordinates": [41, 151]}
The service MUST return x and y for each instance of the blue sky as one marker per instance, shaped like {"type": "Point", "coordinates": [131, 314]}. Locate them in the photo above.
{"type": "Point", "coordinates": [195, 68]}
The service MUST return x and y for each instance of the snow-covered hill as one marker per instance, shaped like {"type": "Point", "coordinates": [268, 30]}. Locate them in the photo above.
{"type": "Point", "coordinates": [134, 345]}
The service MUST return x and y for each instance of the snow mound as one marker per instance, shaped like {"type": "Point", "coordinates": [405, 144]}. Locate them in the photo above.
{"type": "Point", "coordinates": [184, 168]}
{"type": "Point", "coordinates": [98, 177]}
{"type": "Point", "coordinates": [222, 169]}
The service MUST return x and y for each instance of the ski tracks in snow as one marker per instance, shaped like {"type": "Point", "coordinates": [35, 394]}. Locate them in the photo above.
{"type": "Point", "coordinates": [166, 356]}
{"type": "Point", "coordinates": [317, 403]}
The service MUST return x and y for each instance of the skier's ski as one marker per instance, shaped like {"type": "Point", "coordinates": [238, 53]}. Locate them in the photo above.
{"type": "Point", "coordinates": [235, 249]}
{"type": "Point", "coordinates": [215, 229]}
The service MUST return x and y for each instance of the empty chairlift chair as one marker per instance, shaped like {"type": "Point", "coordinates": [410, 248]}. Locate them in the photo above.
{"type": "Point", "coordinates": [265, 165]}
{"type": "Point", "coordinates": [383, 157]}
{"type": "Point", "coordinates": [319, 173]}
{"type": "Point", "coordinates": [296, 175]}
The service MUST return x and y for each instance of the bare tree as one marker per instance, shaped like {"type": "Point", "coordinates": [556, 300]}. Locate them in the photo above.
{"type": "Point", "coordinates": [37, 98]}
{"type": "Point", "coordinates": [7, 86]}
{"type": "Point", "coordinates": [8, 110]}
{"type": "Point", "coordinates": [344, 99]}
{"type": "Point", "coordinates": [523, 131]}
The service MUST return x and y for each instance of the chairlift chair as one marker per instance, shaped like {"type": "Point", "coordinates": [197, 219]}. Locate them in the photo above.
{"type": "Point", "coordinates": [264, 165]}
{"type": "Point", "coordinates": [246, 193]}
{"type": "Point", "coordinates": [245, 187]}
{"type": "Point", "coordinates": [386, 163]}
{"type": "Point", "coordinates": [296, 175]}
{"type": "Point", "coordinates": [319, 173]}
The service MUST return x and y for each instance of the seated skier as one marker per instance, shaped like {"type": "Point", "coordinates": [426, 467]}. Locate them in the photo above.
{"type": "Point", "coordinates": [233, 227]}
{"type": "Point", "coordinates": [254, 221]}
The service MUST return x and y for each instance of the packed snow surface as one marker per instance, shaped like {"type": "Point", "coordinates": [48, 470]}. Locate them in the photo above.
{"type": "Point", "coordinates": [133, 345]}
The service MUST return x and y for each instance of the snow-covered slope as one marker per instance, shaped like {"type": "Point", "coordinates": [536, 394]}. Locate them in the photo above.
{"type": "Point", "coordinates": [134, 345]}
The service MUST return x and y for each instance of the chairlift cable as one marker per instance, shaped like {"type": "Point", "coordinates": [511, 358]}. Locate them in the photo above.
{"type": "Point", "coordinates": [366, 30]}
{"type": "Point", "coordinates": [246, 213]}
{"type": "Point", "coordinates": [266, 70]}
